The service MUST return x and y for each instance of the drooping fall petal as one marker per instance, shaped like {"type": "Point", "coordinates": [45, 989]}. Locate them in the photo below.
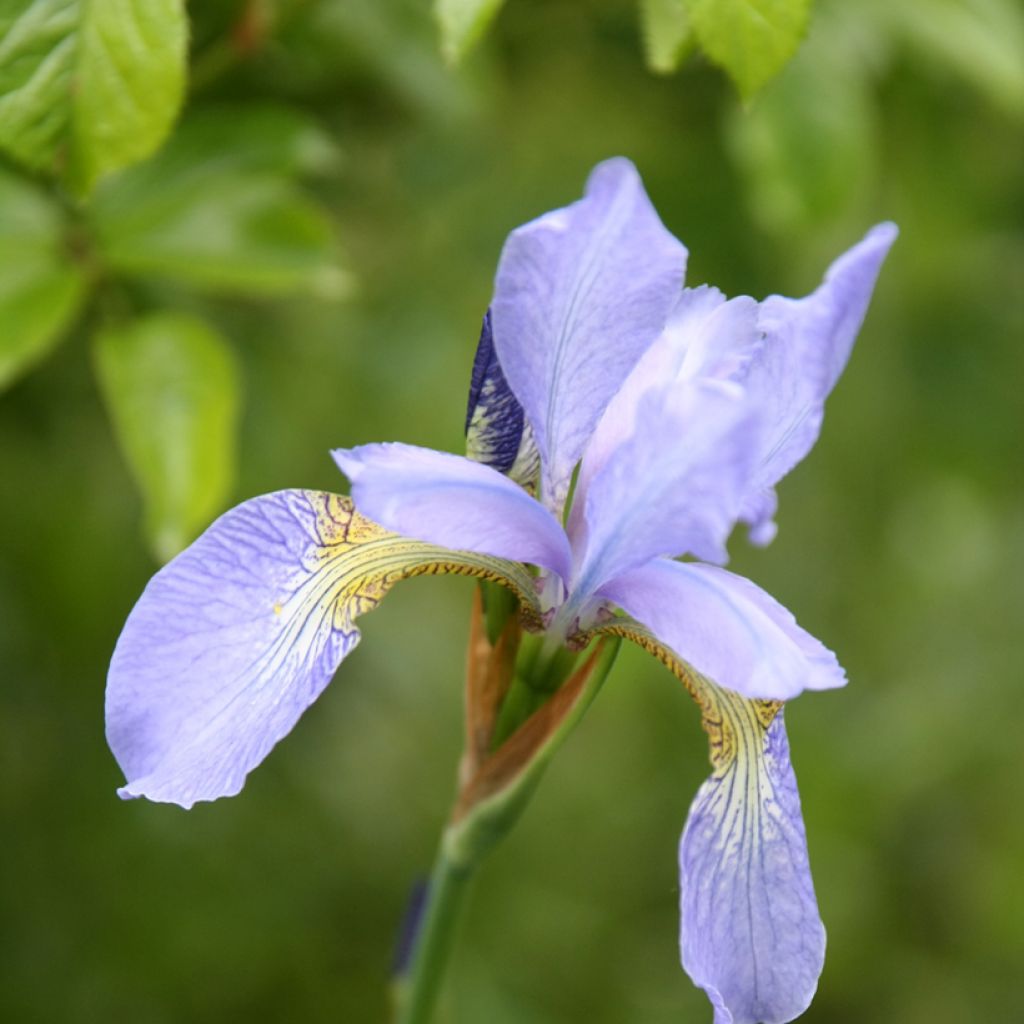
{"type": "Point", "coordinates": [237, 636]}
{"type": "Point", "coordinates": [750, 932]}
{"type": "Point", "coordinates": [727, 628]}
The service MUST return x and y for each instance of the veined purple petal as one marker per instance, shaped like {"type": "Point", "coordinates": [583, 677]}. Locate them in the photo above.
{"type": "Point", "coordinates": [705, 337]}
{"type": "Point", "coordinates": [674, 486]}
{"type": "Point", "coordinates": [497, 433]}
{"type": "Point", "coordinates": [228, 645]}
{"type": "Point", "coordinates": [454, 502]}
{"type": "Point", "coordinates": [579, 295]}
{"type": "Point", "coordinates": [240, 633]}
{"type": "Point", "coordinates": [750, 932]}
{"type": "Point", "coordinates": [727, 628]}
{"type": "Point", "coordinates": [807, 345]}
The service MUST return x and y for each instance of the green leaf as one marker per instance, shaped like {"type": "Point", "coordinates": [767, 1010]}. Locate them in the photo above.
{"type": "Point", "coordinates": [218, 208]}
{"type": "Point", "coordinates": [462, 23]}
{"type": "Point", "coordinates": [172, 390]}
{"type": "Point", "coordinates": [87, 87]}
{"type": "Point", "coordinates": [40, 287]}
{"type": "Point", "coordinates": [750, 39]}
{"type": "Point", "coordinates": [667, 33]}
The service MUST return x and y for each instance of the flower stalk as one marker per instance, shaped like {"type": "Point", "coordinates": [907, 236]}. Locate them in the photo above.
{"type": "Point", "coordinates": [495, 786]}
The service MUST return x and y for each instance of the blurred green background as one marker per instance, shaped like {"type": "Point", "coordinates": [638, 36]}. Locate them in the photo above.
{"type": "Point", "coordinates": [901, 539]}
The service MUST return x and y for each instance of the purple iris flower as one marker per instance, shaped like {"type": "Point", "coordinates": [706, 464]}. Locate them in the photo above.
{"type": "Point", "coordinates": [647, 418]}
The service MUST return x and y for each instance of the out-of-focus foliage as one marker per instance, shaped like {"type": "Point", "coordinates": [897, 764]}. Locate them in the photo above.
{"type": "Point", "coordinates": [40, 289]}
{"type": "Point", "coordinates": [86, 88]}
{"type": "Point", "coordinates": [750, 39]}
{"type": "Point", "coordinates": [901, 538]}
{"type": "Point", "coordinates": [171, 385]}
{"type": "Point", "coordinates": [667, 33]}
{"type": "Point", "coordinates": [462, 23]}
{"type": "Point", "coordinates": [219, 207]}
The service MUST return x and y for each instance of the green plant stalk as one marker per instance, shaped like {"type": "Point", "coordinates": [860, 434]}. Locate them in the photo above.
{"type": "Point", "coordinates": [464, 844]}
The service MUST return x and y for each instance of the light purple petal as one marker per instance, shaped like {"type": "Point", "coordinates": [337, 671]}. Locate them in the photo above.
{"type": "Point", "coordinates": [228, 645]}
{"type": "Point", "coordinates": [727, 628]}
{"type": "Point", "coordinates": [454, 502]}
{"type": "Point", "coordinates": [674, 486]}
{"type": "Point", "coordinates": [807, 345]}
{"type": "Point", "coordinates": [750, 932]}
{"type": "Point", "coordinates": [579, 295]}
{"type": "Point", "coordinates": [706, 337]}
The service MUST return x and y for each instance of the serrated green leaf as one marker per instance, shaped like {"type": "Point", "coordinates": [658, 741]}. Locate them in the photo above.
{"type": "Point", "coordinates": [462, 23]}
{"type": "Point", "coordinates": [217, 208]}
{"type": "Point", "coordinates": [750, 39]}
{"type": "Point", "coordinates": [171, 387]}
{"type": "Point", "coordinates": [89, 87]}
{"type": "Point", "coordinates": [40, 287]}
{"type": "Point", "coordinates": [667, 33]}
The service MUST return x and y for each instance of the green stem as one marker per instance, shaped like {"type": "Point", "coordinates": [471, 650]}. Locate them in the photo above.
{"type": "Point", "coordinates": [416, 992]}
{"type": "Point", "coordinates": [464, 845]}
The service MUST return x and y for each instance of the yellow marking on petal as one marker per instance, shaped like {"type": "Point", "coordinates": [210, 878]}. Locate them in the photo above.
{"type": "Point", "coordinates": [359, 561]}
{"type": "Point", "coordinates": [277, 607]}
{"type": "Point", "coordinates": [732, 722]}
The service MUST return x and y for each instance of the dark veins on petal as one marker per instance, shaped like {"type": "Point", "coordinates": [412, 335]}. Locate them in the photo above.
{"type": "Point", "coordinates": [496, 432]}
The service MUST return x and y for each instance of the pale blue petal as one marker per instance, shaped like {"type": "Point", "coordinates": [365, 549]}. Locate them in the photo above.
{"type": "Point", "coordinates": [579, 295]}
{"type": "Point", "coordinates": [807, 344]}
{"type": "Point", "coordinates": [727, 628]}
{"type": "Point", "coordinates": [228, 645]}
{"type": "Point", "coordinates": [750, 932]}
{"type": "Point", "coordinates": [706, 337]}
{"type": "Point", "coordinates": [454, 502]}
{"type": "Point", "coordinates": [674, 486]}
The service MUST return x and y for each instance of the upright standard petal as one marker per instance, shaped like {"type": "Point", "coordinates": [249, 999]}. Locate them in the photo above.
{"type": "Point", "coordinates": [497, 433]}
{"type": "Point", "coordinates": [727, 628]}
{"type": "Point", "coordinates": [579, 295]}
{"type": "Point", "coordinates": [750, 932]}
{"type": "Point", "coordinates": [807, 344]}
{"type": "Point", "coordinates": [452, 501]}
{"type": "Point", "coordinates": [705, 337]}
{"type": "Point", "coordinates": [673, 487]}
{"type": "Point", "coordinates": [238, 635]}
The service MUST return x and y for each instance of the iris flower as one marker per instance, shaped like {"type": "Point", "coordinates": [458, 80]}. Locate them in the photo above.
{"type": "Point", "coordinates": [617, 423]}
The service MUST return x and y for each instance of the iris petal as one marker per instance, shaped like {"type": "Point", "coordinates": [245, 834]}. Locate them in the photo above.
{"type": "Point", "coordinates": [705, 337]}
{"type": "Point", "coordinates": [750, 932]}
{"type": "Point", "coordinates": [579, 295]}
{"type": "Point", "coordinates": [807, 344]}
{"type": "Point", "coordinates": [238, 635]}
{"type": "Point", "coordinates": [452, 501]}
{"type": "Point", "coordinates": [726, 627]}
{"type": "Point", "coordinates": [674, 486]}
